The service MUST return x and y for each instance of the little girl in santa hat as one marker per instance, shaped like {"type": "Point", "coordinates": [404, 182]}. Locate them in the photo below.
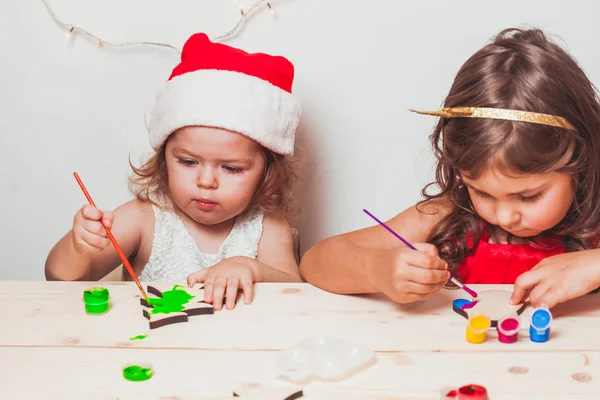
{"type": "Point", "coordinates": [214, 200]}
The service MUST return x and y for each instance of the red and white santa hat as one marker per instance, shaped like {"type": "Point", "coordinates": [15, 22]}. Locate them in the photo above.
{"type": "Point", "coordinates": [221, 86]}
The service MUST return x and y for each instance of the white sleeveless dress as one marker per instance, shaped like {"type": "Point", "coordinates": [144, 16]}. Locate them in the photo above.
{"type": "Point", "coordinates": [175, 255]}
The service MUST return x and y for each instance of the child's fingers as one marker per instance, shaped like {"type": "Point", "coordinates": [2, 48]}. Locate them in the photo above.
{"type": "Point", "coordinates": [525, 283]}
{"type": "Point", "coordinates": [83, 246]}
{"type": "Point", "coordinates": [90, 212]}
{"type": "Point", "coordinates": [519, 295]}
{"type": "Point", "coordinates": [541, 294]}
{"type": "Point", "coordinates": [232, 290]}
{"type": "Point", "coordinates": [95, 242]}
{"type": "Point", "coordinates": [426, 276]}
{"type": "Point", "coordinates": [248, 290]}
{"type": "Point", "coordinates": [427, 248]}
{"type": "Point", "coordinates": [197, 277]}
{"type": "Point", "coordinates": [419, 288]}
{"type": "Point", "coordinates": [107, 218]}
{"type": "Point", "coordinates": [219, 291]}
{"type": "Point", "coordinates": [423, 260]}
{"type": "Point", "coordinates": [208, 288]}
{"type": "Point", "coordinates": [94, 227]}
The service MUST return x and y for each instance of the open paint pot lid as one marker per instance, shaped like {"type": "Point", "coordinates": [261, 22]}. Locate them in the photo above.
{"type": "Point", "coordinates": [95, 300]}
{"type": "Point", "coordinates": [472, 392]}
{"type": "Point", "coordinates": [509, 324]}
{"type": "Point", "coordinates": [95, 295]}
{"type": "Point", "coordinates": [467, 392]}
{"type": "Point", "coordinates": [479, 323]}
{"type": "Point", "coordinates": [541, 318]}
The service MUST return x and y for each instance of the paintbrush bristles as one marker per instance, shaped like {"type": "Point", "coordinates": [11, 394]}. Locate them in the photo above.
{"type": "Point", "coordinates": [463, 287]}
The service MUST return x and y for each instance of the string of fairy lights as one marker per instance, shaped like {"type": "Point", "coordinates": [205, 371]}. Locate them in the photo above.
{"type": "Point", "coordinates": [245, 14]}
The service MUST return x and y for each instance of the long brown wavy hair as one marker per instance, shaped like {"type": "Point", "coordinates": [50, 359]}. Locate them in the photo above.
{"type": "Point", "coordinates": [274, 194]}
{"type": "Point", "coordinates": [521, 70]}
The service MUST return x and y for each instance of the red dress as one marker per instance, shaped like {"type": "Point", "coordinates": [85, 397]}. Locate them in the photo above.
{"type": "Point", "coordinates": [503, 263]}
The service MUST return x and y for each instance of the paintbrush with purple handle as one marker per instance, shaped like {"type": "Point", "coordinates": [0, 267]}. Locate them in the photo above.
{"type": "Point", "coordinates": [452, 279]}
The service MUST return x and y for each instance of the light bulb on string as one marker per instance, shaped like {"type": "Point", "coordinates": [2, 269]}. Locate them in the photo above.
{"type": "Point", "coordinates": [72, 29]}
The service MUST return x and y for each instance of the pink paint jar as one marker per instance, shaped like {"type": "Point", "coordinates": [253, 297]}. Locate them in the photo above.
{"type": "Point", "coordinates": [508, 328]}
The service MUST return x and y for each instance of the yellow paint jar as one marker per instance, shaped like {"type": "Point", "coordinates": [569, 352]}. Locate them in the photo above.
{"type": "Point", "coordinates": [477, 328]}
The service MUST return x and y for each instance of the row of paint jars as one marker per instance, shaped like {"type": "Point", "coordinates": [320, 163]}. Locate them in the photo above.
{"type": "Point", "coordinates": [508, 327]}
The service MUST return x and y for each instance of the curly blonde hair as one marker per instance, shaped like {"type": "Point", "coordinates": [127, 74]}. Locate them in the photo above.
{"type": "Point", "coordinates": [274, 194]}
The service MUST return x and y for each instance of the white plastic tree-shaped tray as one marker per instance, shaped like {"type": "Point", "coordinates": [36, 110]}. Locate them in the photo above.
{"type": "Point", "coordinates": [322, 358]}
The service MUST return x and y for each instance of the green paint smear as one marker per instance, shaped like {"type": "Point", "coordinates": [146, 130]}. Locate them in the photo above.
{"type": "Point", "coordinates": [173, 300]}
{"type": "Point", "coordinates": [138, 337]}
{"type": "Point", "coordinates": [136, 373]}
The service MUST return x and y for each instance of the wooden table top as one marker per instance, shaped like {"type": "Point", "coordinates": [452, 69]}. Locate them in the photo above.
{"type": "Point", "coordinates": [50, 348]}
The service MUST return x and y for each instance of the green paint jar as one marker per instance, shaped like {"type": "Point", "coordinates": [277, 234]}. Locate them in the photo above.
{"type": "Point", "coordinates": [96, 300]}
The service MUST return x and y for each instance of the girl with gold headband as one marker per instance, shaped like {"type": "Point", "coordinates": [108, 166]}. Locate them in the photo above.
{"type": "Point", "coordinates": [518, 177]}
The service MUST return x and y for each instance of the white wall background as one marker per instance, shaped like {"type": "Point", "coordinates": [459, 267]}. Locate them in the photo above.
{"type": "Point", "coordinates": [67, 105]}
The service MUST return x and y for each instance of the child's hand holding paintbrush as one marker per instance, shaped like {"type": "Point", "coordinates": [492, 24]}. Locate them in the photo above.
{"type": "Point", "coordinates": [79, 253]}
{"type": "Point", "coordinates": [406, 275]}
{"type": "Point", "coordinates": [371, 260]}
{"type": "Point", "coordinates": [89, 235]}
{"type": "Point", "coordinates": [424, 265]}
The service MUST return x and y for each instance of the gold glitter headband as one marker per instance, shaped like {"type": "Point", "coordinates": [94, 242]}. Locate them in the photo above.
{"type": "Point", "coordinates": [500, 113]}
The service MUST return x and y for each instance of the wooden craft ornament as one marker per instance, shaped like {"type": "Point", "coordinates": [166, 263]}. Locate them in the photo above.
{"type": "Point", "coordinates": [296, 395]}
{"type": "Point", "coordinates": [174, 304]}
{"type": "Point", "coordinates": [492, 303]}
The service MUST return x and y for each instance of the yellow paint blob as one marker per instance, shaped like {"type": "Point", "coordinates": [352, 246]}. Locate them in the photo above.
{"type": "Point", "coordinates": [476, 328]}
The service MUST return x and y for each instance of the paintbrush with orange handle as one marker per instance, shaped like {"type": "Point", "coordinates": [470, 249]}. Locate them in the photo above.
{"type": "Point", "coordinates": [113, 240]}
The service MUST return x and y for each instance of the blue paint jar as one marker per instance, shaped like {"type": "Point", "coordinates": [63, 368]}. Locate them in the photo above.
{"type": "Point", "coordinates": [539, 329]}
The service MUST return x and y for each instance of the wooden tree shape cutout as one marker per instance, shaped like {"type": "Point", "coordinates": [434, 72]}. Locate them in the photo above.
{"type": "Point", "coordinates": [174, 304]}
